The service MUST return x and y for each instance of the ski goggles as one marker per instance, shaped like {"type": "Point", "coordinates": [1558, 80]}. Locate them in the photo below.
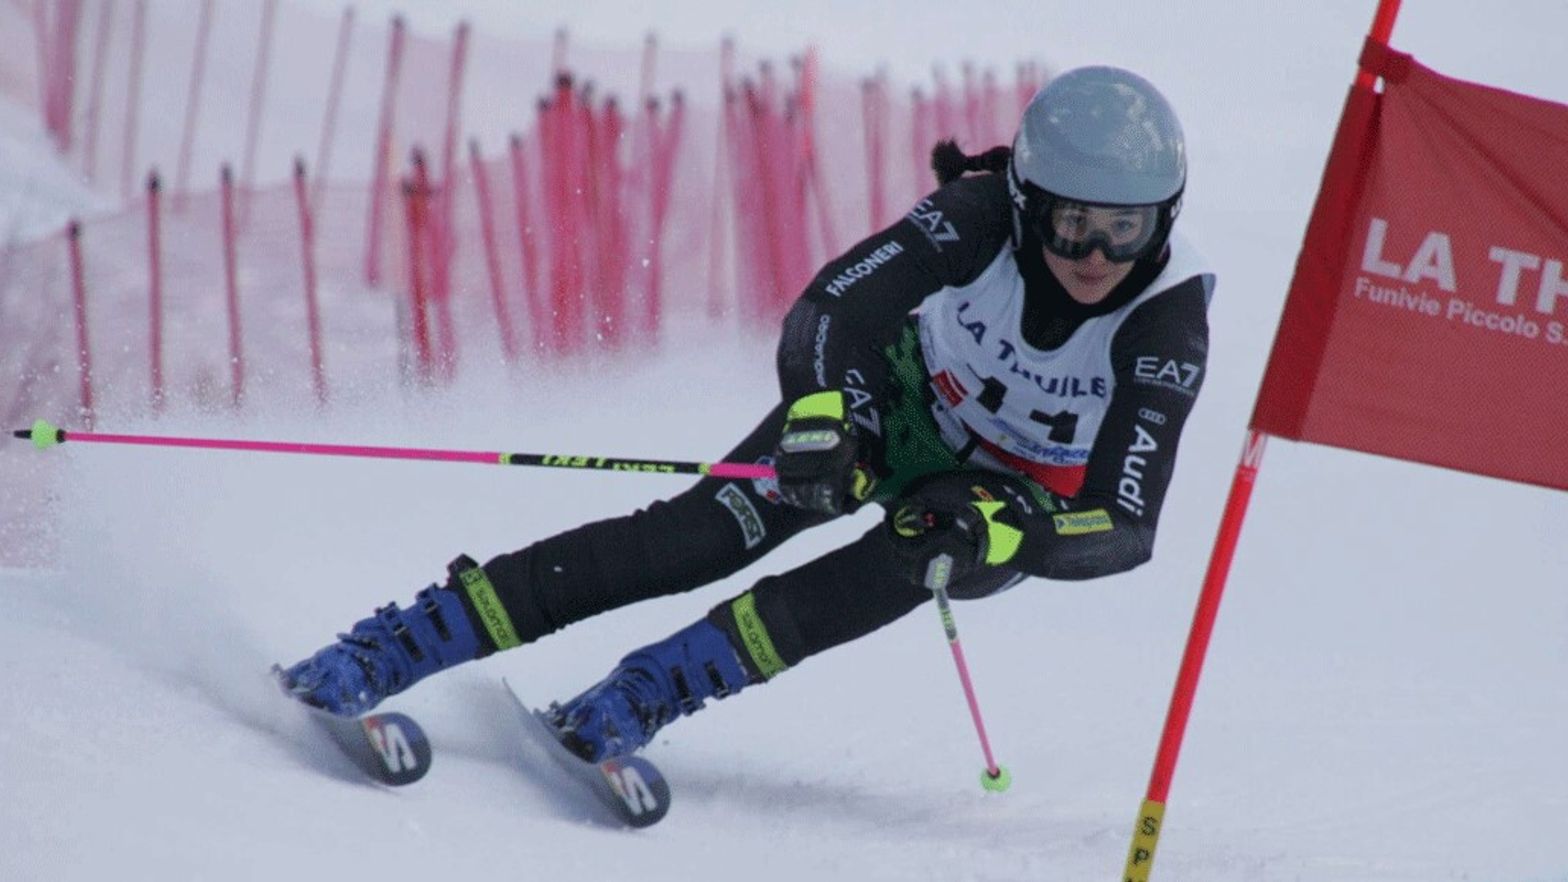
{"type": "Point", "coordinates": [1073, 229]}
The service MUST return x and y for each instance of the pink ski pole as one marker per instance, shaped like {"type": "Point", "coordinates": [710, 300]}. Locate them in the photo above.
{"type": "Point", "coordinates": [44, 434]}
{"type": "Point", "coordinates": [995, 777]}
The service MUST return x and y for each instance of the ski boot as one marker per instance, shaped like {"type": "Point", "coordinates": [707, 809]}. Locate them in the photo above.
{"type": "Point", "coordinates": [649, 688]}
{"type": "Point", "coordinates": [390, 651]}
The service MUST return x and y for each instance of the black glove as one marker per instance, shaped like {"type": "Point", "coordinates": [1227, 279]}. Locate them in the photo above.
{"type": "Point", "coordinates": [818, 454]}
{"type": "Point", "coordinates": [950, 527]}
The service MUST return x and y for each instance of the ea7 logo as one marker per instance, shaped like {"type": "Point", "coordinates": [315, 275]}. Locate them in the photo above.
{"type": "Point", "coordinates": [392, 746]}
{"type": "Point", "coordinates": [1167, 371]}
{"type": "Point", "coordinates": [931, 222]}
{"type": "Point", "coordinates": [629, 785]}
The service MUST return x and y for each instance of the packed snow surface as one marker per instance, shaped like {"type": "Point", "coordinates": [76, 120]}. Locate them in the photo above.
{"type": "Point", "coordinates": [1387, 687]}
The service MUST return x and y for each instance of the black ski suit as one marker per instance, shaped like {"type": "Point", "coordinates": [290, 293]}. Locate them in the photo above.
{"type": "Point", "coordinates": [852, 329]}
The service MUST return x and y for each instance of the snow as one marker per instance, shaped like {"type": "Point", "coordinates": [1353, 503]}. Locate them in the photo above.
{"type": "Point", "coordinates": [1384, 698]}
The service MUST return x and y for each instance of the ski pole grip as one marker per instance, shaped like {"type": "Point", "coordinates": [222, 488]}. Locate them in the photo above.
{"type": "Point", "coordinates": [939, 572]}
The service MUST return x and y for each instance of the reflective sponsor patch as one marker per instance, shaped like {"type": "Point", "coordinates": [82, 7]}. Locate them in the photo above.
{"type": "Point", "coordinates": [809, 441]}
{"type": "Point", "coordinates": [1077, 523]}
{"type": "Point", "coordinates": [751, 527]}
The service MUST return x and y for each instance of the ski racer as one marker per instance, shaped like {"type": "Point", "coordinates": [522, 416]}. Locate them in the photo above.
{"type": "Point", "coordinates": [1006, 370]}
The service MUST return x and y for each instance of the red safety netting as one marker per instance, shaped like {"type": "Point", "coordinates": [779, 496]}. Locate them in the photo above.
{"type": "Point", "coordinates": [483, 202]}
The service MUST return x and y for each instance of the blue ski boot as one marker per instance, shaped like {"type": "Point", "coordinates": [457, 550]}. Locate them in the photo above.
{"type": "Point", "coordinates": [648, 689]}
{"type": "Point", "coordinates": [391, 651]}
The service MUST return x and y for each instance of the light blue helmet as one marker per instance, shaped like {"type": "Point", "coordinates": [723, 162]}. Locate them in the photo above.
{"type": "Point", "coordinates": [1101, 136]}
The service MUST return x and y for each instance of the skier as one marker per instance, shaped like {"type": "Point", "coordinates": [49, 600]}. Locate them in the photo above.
{"type": "Point", "coordinates": [1006, 370]}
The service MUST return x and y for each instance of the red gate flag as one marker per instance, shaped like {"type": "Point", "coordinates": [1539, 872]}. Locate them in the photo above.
{"type": "Point", "coordinates": [1428, 317]}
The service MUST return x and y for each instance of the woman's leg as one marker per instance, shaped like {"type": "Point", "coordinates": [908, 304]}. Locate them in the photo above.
{"type": "Point", "coordinates": [834, 599]}
{"type": "Point", "coordinates": [841, 596]}
{"type": "Point", "coordinates": [711, 530]}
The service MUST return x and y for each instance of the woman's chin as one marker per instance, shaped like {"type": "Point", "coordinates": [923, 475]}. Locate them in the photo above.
{"type": "Point", "coordinates": [1089, 292]}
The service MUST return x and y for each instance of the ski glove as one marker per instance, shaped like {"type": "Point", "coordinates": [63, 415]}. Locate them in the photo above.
{"type": "Point", "coordinates": [950, 527]}
{"type": "Point", "coordinates": [817, 458]}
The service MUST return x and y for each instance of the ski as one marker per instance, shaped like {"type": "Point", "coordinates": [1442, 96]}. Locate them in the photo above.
{"type": "Point", "coordinates": [388, 747]}
{"type": "Point", "coordinates": [630, 789]}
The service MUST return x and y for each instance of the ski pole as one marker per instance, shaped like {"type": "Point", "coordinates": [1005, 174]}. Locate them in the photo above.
{"type": "Point", "coordinates": [995, 777]}
{"type": "Point", "coordinates": [45, 435]}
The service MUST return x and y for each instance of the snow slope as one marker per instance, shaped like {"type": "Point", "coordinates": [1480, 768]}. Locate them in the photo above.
{"type": "Point", "coordinates": [1385, 697]}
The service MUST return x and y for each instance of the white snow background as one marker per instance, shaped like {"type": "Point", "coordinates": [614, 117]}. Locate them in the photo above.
{"type": "Point", "coordinates": [1387, 688]}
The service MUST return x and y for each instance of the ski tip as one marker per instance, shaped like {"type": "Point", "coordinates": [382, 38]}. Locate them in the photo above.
{"type": "Point", "coordinates": [43, 434]}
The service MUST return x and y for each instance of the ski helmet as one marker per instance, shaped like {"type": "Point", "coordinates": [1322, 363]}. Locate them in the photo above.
{"type": "Point", "coordinates": [1099, 162]}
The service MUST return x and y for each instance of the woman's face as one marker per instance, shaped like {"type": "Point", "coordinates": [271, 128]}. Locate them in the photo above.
{"type": "Point", "coordinates": [1091, 278]}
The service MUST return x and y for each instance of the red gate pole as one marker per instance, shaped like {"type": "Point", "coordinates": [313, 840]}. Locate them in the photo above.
{"type": "Point", "coordinates": [765, 138]}
{"type": "Point", "coordinates": [133, 97]}
{"type": "Point", "coordinates": [155, 290]}
{"type": "Point", "coordinates": [920, 142]}
{"type": "Point", "coordinates": [84, 352]}
{"type": "Point", "coordinates": [1151, 816]}
{"type": "Point", "coordinates": [307, 239]}
{"type": "Point", "coordinates": [383, 158]}
{"type": "Point", "coordinates": [95, 92]}
{"type": "Point", "coordinates": [329, 123]}
{"type": "Point", "coordinates": [942, 106]}
{"type": "Point", "coordinates": [182, 171]}
{"type": "Point", "coordinates": [717, 237]}
{"type": "Point", "coordinates": [1382, 29]}
{"type": "Point", "coordinates": [666, 143]}
{"type": "Point", "coordinates": [533, 298]}
{"type": "Point", "coordinates": [68, 17]}
{"type": "Point", "coordinates": [552, 213]}
{"type": "Point", "coordinates": [971, 97]}
{"type": "Point", "coordinates": [560, 210]}
{"type": "Point", "coordinates": [258, 98]}
{"type": "Point", "coordinates": [503, 315]}
{"type": "Point", "coordinates": [579, 201]}
{"type": "Point", "coordinates": [419, 325]}
{"type": "Point", "coordinates": [751, 254]}
{"type": "Point", "coordinates": [45, 68]}
{"type": "Point", "coordinates": [231, 289]}
{"type": "Point", "coordinates": [588, 189]}
{"type": "Point", "coordinates": [813, 168]}
{"type": "Point", "coordinates": [871, 124]}
{"type": "Point", "coordinates": [444, 238]}
{"type": "Point", "coordinates": [990, 104]}
{"type": "Point", "coordinates": [429, 245]}
{"type": "Point", "coordinates": [613, 246]}
{"type": "Point", "coordinates": [1025, 84]}
{"type": "Point", "coordinates": [453, 116]}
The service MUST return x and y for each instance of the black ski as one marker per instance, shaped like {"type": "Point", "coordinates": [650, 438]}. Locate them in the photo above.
{"type": "Point", "coordinates": [630, 789]}
{"type": "Point", "coordinates": [389, 747]}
